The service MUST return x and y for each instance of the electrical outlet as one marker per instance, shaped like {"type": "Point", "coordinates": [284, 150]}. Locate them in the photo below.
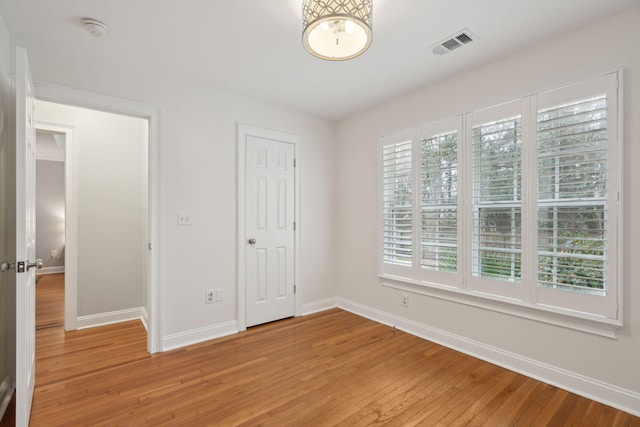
{"type": "Point", "coordinates": [184, 218]}
{"type": "Point", "coordinates": [404, 300]}
{"type": "Point", "coordinates": [54, 253]}
{"type": "Point", "coordinates": [209, 296]}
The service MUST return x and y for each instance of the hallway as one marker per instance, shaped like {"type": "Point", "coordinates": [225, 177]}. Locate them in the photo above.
{"type": "Point", "coordinates": [50, 301]}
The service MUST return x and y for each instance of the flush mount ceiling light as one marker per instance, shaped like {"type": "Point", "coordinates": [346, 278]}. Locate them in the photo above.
{"type": "Point", "coordinates": [336, 30]}
{"type": "Point", "coordinates": [93, 27]}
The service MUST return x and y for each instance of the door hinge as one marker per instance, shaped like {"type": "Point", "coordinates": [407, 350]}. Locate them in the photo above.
{"type": "Point", "coordinates": [149, 246]}
{"type": "Point", "coordinates": [294, 163]}
{"type": "Point", "coordinates": [294, 289]}
{"type": "Point", "coordinates": [294, 226]}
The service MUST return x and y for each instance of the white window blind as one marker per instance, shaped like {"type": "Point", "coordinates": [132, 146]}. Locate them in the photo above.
{"type": "Point", "coordinates": [397, 194]}
{"type": "Point", "coordinates": [519, 202]}
{"type": "Point", "coordinates": [497, 191]}
{"type": "Point", "coordinates": [439, 202]}
{"type": "Point", "coordinates": [572, 187]}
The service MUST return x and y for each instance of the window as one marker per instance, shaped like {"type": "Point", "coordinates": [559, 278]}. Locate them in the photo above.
{"type": "Point", "coordinates": [578, 175]}
{"type": "Point", "coordinates": [439, 202]}
{"type": "Point", "coordinates": [497, 199]}
{"type": "Point", "coordinates": [516, 201]}
{"type": "Point", "coordinates": [397, 190]}
{"type": "Point", "coordinates": [572, 155]}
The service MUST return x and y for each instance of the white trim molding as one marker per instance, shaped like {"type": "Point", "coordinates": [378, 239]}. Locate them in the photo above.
{"type": "Point", "coordinates": [102, 319]}
{"type": "Point", "coordinates": [198, 335]}
{"type": "Point", "coordinates": [549, 315]}
{"type": "Point", "coordinates": [243, 132]}
{"type": "Point", "coordinates": [50, 270]}
{"type": "Point", "coordinates": [318, 306]}
{"type": "Point", "coordinates": [96, 101]}
{"type": "Point", "coordinates": [144, 318]}
{"type": "Point", "coordinates": [71, 221]}
{"type": "Point", "coordinates": [617, 397]}
{"type": "Point", "coordinates": [195, 336]}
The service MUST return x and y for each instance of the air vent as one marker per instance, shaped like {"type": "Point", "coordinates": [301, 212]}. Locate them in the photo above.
{"type": "Point", "coordinates": [453, 42]}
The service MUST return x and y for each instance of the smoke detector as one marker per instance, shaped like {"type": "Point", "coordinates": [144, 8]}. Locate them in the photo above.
{"type": "Point", "coordinates": [94, 27]}
{"type": "Point", "coordinates": [458, 39]}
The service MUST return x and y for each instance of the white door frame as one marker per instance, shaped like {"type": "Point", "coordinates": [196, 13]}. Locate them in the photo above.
{"type": "Point", "coordinates": [80, 98]}
{"type": "Point", "coordinates": [70, 222]}
{"type": "Point", "coordinates": [245, 131]}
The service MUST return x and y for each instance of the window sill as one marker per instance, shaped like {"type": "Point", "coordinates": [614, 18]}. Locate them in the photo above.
{"type": "Point", "coordinates": [578, 321]}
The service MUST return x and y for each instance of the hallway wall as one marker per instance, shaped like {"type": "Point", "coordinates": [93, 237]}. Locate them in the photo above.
{"type": "Point", "coordinates": [50, 214]}
{"type": "Point", "coordinates": [112, 203]}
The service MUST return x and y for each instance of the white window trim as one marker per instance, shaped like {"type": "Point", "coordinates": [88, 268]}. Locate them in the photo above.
{"type": "Point", "coordinates": [530, 307]}
{"type": "Point", "coordinates": [477, 283]}
{"type": "Point", "coordinates": [578, 321]}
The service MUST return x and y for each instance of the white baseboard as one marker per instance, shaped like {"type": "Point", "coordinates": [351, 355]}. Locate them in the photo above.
{"type": "Point", "coordinates": [102, 319]}
{"type": "Point", "coordinates": [6, 392]}
{"type": "Point", "coordinates": [194, 336]}
{"type": "Point", "coordinates": [317, 306]}
{"type": "Point", "coordinates": [599, 391]}
{"type": "Point", "coordinates": [50, 270]}
{"type": "Point", "coordinates": [144, 318]}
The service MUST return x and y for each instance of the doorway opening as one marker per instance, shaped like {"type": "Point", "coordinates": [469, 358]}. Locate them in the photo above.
{"type": "Point", "coordinates": [108, 264]}
{"type": "Point", "coordinates": [50, 228]}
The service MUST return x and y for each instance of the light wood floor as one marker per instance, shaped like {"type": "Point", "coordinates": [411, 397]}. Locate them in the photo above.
{"type": "Point", "coordinates": [50, 300]}
{"type": "Point", "coordinates": [330, 368]}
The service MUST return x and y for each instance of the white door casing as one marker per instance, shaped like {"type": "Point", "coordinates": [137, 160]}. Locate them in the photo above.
{"type": "Point", "coordinates": [269, 228]}
{"type": "Point", "coordinates": [70, 227]}
{"type": "Point", "coordinates": [25, 238]}
{"type": "Point", "coordinates": [90, 100]}
{"type": "Point", "coordinates": [267, 236]}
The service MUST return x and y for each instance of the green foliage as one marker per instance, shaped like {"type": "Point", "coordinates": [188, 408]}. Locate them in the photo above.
{"type": "Point", "coordinates": [580, 263]}
{"type": "Point", "coordinates": [444, 259]}
{"type": "Point", "coordinates": [500, 265]}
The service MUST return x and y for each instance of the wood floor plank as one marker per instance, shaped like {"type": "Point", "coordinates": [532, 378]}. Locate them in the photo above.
{"type": "Point", "coordinates": [49, 300]}
{"type": "Point", "coordinates": [330, 368]}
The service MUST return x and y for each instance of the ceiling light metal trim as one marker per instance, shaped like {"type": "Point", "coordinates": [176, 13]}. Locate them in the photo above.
{"type": "Point", "coordinates": [337, 30]}
{"type": "Point", "coordinates": [94, 27]}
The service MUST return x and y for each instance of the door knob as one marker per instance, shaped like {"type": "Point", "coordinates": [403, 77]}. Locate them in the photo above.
{"type": "Point", "coordinates": [5, 266]}
{"type": "Point", "coordinates": [38, 264]}
{"type": "Point", "coordinates": [252, 241]}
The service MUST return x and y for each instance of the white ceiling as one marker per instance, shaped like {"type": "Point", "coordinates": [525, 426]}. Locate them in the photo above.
{"type": "Point", "coordinates": [253, 47]}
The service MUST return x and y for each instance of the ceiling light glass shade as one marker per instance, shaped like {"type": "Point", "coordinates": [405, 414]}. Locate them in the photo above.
{"type": "Point", "coordinates": [336, 30]}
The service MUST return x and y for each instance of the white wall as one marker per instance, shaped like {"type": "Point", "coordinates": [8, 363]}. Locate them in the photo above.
{"type": "Point", "coordinates": [50, 212]}
{"type": "Point", "coordinates": [198, 175]}
{"type": "Point", "coordinates": [590, 51]}
{"type": "Point", "coordinates": [112, 199]}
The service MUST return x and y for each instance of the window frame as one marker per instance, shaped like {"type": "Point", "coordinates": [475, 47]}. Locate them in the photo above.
{"type": "Point", "coordinates": [600, 315]}
{"type": "Point", "coordinates": [609, 84]}
{"type": "Point", "coordinates": [508, 289]}
{"type": "Point", "coordinates": [449, 279]}
{"type": "Point", "coordinates": [389, 269]}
